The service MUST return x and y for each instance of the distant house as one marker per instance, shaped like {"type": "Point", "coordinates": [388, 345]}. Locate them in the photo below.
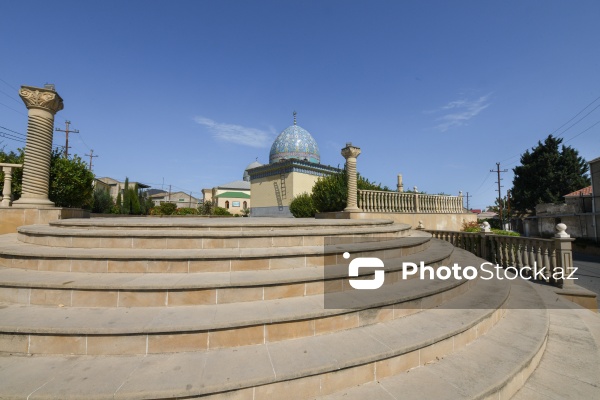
{"type": "Point", "coordinates": [234, 196]}
{"type": "Point", "coordinates": [580, 211]}
{"type": "Point", "coordinates": [580, 200]}
{"type": "Point", "coordinates": [116, 187]}
{"type": "Point", "coordinates": [181, 199]}
{"type": "Point", "coordinates": [475, 210]}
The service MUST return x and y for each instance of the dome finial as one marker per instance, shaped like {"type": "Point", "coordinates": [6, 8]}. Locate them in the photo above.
{"type": "Point", "coordinates": [295, 117]}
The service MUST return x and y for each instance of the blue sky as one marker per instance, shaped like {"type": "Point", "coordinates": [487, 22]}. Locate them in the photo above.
{"type": "Point", "coordinates": [190, 92]}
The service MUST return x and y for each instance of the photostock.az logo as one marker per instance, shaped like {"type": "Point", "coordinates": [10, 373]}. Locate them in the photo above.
{"type": "Point", "coordinates": [365, 262]}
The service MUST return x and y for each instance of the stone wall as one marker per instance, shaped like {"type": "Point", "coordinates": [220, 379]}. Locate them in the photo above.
{"type": "Point", "coordinates": [11, 218]}
{"type": "Point", "coordinates": [448, 222]}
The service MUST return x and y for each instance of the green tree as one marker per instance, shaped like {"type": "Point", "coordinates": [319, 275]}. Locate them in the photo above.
{"type": "Point", "coordinates": [103, 202]}
{"type": "Point", "coordinates": [134, 198]}
{"type": "Point", "coordinates": [126, 198]}
{"type": "Point", "coordinates": [71, 182]}
{"type": "Point", "coordinates": [119, 204]}
{"type": "Point", "coordinates": [330, 193]}
{"type": "Point", "coordinates": [546, 174]}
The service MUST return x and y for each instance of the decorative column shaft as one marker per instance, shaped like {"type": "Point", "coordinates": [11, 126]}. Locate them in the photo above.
{"type": "Point", "coordinates": [350, 153]}
{"type": "Point", "coordinates": [42, 104]}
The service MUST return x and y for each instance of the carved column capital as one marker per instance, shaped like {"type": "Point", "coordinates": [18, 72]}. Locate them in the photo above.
{"type": "Point", "coordinates": [45, 99]}
{"type": "Point", "coordinates": [350, 151]}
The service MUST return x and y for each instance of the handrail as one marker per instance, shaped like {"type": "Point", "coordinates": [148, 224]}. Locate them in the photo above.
{"type": "Point", "coordinates": [408, 202]}
{"type": "Point", "coordinates": [551, 258]}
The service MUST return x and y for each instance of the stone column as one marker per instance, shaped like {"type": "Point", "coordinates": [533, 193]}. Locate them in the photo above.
{"type": "Point", "coordinates": [350, 153]}
{"type": "Point", "coordinates": [7, 189]}
{"type": "Point", "coordinates": [564, 253]}
{"type": "Point", "coordinates": [42, 104]}
{"type": "Point", "coordinates": [400, 186]}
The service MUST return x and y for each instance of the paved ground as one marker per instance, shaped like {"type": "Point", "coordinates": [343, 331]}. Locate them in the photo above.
{"type": "Point", "coordinates": [588, 273]}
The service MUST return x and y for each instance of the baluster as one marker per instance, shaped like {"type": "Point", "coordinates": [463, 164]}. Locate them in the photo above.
{"type": "Point", "coordinates": [518, 251]}
{"type": "Point", "coordinates": [510, 251]}
{"type": "Point", "coordinates": [538, 255]}
{"type": "Point", "coordinates": [546, 259]}
{"type": "Point", "coordinates": [553, 264]}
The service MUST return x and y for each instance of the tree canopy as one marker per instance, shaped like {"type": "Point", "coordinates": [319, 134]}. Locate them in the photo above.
{"type": "Point", "coordinates": [547, 173]}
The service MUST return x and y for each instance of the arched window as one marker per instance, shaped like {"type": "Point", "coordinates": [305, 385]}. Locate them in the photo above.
{"type": "Point", "coordinates": [227, 204]}
{"type": "Point", "coordinates": [245, 204]}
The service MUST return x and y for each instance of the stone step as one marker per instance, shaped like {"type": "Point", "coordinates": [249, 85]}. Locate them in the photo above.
{"type": "Point", "coordinates": [216, 224]}
{"type": "Point", "coordinates": [570, 366]}
{"type": "Point", "coordinates": [79, 289]}
{"type": "Point", "coordinates": [300, 368]}
{"type": "Point", "coordinates": [15, 254]}
{"type": "Point", "coordinates": [141, 330]}
{"type": "Point", "coordinates": [127, 238]}
{"type": "Point", "coordinates": [493, 367]}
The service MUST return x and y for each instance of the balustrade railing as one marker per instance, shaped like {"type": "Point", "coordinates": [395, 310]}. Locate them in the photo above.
{"type": "Point", "coordinates": [549, 260]}
{"type": "Point", "coordinates": [7, 189]}
{"type": "Point", "coordinates": [404, 202]}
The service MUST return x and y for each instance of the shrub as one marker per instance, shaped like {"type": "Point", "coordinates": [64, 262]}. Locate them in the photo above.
{"type": "Point", "coordinates": [505, 233]}
{"type": "Point", "coordinates": [186, 211]}
{"type": "Point", "coordinates": [103, 202]}
{"type": "Point", "coordinates": [220, 211]}
{"type": "Point", "coordinates": [167, 208]}
{"type": "Point", "coordinates": [329, 193]}
{"type": "Point", "coordinates": [302, 206]}
{"type": "Point", "coordinates": [472, 226]}
{"type": "Point", "coordinates": [206, 208]}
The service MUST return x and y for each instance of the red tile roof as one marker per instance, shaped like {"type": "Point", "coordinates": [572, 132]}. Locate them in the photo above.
{"type": "Point", "coordinates": [587, 191]}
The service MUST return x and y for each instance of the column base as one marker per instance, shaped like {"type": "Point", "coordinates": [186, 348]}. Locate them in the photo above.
{"type": "Point", "coordinates": [352, 209]}
{"type": "Point", "coordinates": [32, 202]}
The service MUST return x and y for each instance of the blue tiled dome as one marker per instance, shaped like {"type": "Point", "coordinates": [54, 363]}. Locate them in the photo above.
{"type": "Point", "coordinates": [294, 142]}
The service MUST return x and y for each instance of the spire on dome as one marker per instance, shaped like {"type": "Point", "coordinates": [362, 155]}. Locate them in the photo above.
{"type": "Point", "coordinates": [295, 117]}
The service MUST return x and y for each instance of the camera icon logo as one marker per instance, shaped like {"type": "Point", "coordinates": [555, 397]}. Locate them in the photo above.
{"type": "Point", "coordinates": [365, 262]}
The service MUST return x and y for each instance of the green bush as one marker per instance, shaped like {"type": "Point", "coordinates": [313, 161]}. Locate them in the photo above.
{"type": "Point", "coordinates": [220, 211]}
{"type": "Point", "coordinates": [167, 208]}
{"type": "Point", "coordinates": [472, 226]}
{"type": "Point", "coordinates": [103, 203]}
{"type": "Point", "coordinates": [71, 182]}
{"type": "Point", "coordinates": [329, 193]}
{"type": "Point", "coordinates": [505, 233]}
{"type": "Point", "coordinates": [302, 206]}
{"type": "Point", "coordinates": [186, 211]}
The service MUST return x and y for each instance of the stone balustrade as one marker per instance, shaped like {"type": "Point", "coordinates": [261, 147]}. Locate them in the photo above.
{"type": "Point", "coordinates": [6, 197]}
{"type": "Point", "coordinates": [552, 256]}
{"type": "Point", "coordinates": [403, 202]}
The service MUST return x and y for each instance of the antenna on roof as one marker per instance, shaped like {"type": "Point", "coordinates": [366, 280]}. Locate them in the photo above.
{"type": "Point", "coordinates": [295, 117]}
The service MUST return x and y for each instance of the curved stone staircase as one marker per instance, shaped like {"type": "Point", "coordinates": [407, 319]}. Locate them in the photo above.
{"type": "Point", "coordinates": [234, 309]}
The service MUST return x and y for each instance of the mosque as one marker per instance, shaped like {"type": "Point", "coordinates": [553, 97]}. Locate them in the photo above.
{"type": "Point", "coordinates": [268, 189]}
{"type": "Point", "coordinates": [294, 167]}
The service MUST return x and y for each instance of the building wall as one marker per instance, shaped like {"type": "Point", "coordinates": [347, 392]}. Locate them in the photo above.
{"type": "Point", "coordinates": [181, 199]}
{"type": "Point", "coordinates": [263, 192]}
{"type": "Point", "coordinates": [234, 209]}
{"type": "Point", "coordinates": [302, 183]}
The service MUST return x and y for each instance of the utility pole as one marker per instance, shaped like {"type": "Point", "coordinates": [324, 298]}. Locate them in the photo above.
{"type": "Point", "coordinates": [467, 196]}
{"type": "Point", "coordinates": [66, 131]}
{"type": "Point", "coordinates": [169, 194]}
{"type": "Point", "coordinates": [498, 171]}
{"type": "Point", "coordinates": [91, 155]}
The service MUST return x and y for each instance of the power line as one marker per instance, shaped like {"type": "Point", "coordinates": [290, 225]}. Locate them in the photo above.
{"type": "Point", "coordinates": [11, 97]}
{"type": "Point", "coordinates": [581, 119]}
{"type": "Point", "coordinates": [8, 84]}
{"type": "Point", "coordinates": [10, 108]}
{"type": "Point", "coordinates": [582, 132]}
{"type": "Point", "coordinates": [582, 110]}
{"type": "Point", "coordinates": [10, 130]}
